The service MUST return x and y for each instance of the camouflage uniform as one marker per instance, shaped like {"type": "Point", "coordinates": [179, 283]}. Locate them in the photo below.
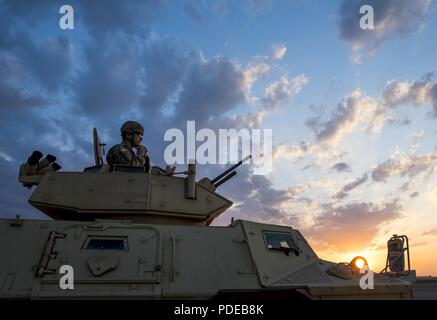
{"type": "Point", "coordinates": [122, 154]}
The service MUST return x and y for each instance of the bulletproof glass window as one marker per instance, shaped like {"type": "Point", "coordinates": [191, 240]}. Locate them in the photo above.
{"type": "Point", "coordinates": [106, 243]}
{"type": "Point", "coordinates": [280, 241]}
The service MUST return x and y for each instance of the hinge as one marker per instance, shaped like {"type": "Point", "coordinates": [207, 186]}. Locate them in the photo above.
{"type": "Point", "coordinates": [48, 254]}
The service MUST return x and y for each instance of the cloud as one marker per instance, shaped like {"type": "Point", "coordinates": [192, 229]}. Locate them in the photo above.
{"type": "Point", "coordinates": [358, 111]}
{"type": "Point", "coordinates": [418, 93]}
{"type": "Point", "coordinates": [200, 10]}
{"type": "Point", "coordinates": [280, 92]}
{"type": "Point", "coordinates": [49, 61]}
{"type": "Point", "coordinates": [351, 227]}
{"type": "Point", "coordinates": [432, 232]}
{"type": "Point", "coordinates": [30, 12]}
{"type": "Point", "coordinates": [110, 84]}
{"type": "Point", "coordinates": [343, 193]}
{"type": "Point", "coordinates": [353, 110]}
{"type": "Point", "coordinates": [276, 95]}
{"type": "Point", "coordinates": [405, 166]}
{"type": "Point", "coordinates": [163, 85]}
{"type": "Point", "coordinates": [417, 135]}
{"type": "Point", "coordinates": [341, 167]}
{"type": "Point", "coordinates": [165, 65]}
{"type": "Point", "coordinates": [400, 123]}
{"type": "Point", "coordinates": [392, 18]}
{"type": "Point", "coordinates": [37, 65]}
{"type": "Point", "coordinates": [99, 18]}
{"type": "Point", "coordinates": [210, 89]}
{"type": "Point", "coordinates": [6, 157]}
{"type": "Point", "coordinates": [130, 17]}
{"type": "Point", "coordinates": [33, 69]}
{"type": "Point", "coordinates": [190, 10]}
{"type": "Point", "coordinates": [254, 71]}
{"type": "Point", "coordinates": [258, 6]}
{"type": "Point", "coordinates": [134, 74]}
{"type": "Point", "coordinates": [125, 80]}
{"type": "Point", "coordinates": [256, 198]}
{"type": "Point", "coordinates": [293, 152]}
{"type": "Point", "coordinates": [152, 80]}
{"type": "Point", "coordinates": [323, 153]}
{"type": "Point", "coordinates": [279, 51]}
{"type": "Point", "coordinates": [13, 98]}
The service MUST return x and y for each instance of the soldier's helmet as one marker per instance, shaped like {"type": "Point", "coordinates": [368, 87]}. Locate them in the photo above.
{"type": "Point", "coordinates": [132, 127]}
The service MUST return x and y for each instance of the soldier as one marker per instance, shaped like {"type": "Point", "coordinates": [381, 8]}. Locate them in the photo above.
{"type": "Point", "coordinates": [122, 154]}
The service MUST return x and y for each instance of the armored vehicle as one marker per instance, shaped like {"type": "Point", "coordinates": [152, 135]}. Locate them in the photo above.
{"type": "Point", "coordinates": [118, 232]}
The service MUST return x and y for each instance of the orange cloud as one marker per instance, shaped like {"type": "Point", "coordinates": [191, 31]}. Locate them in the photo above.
{"type": "Point", "coordinates": [353, 226]}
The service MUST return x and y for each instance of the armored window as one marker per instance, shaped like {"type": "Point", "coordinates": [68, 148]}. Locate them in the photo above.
{"type": "Point", "coordinates": [106, 243]}
{"type": "Point", "coordinates": [280, 241]}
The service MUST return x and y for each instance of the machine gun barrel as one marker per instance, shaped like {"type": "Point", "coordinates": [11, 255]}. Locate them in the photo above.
{"type": "Point", "coordinates": [239, 163]}
{"type": "Point", "coordinates": [229, 176]}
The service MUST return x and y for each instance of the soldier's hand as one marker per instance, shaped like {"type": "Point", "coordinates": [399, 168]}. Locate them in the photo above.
{"type": "Point", "coordinates": [142, 151]}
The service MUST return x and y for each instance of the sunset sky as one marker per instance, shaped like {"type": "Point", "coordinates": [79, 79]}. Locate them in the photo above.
{"type": "Point", "coordinates": [353, 112]}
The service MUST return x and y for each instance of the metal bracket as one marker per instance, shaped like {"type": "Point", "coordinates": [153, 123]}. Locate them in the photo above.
{"type": "Point", "coordinates": [173, 272]}
{"type": "Point", "coordinates": [17, 222]}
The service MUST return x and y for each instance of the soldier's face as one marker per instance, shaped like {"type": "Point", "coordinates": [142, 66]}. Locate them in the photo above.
{"type": "Point", "coordinates": [137, 138]}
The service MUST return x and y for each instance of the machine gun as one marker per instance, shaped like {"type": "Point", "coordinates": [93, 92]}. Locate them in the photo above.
{"type": "Point", "coordinates": [229, 173]}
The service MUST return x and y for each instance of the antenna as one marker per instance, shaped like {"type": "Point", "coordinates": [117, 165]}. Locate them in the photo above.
{"type": "Point", "coordinates": [99, 148]}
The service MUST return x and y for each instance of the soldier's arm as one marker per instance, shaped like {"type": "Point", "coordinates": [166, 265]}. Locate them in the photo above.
{"type": "Point", "coordinates": [130, 159]}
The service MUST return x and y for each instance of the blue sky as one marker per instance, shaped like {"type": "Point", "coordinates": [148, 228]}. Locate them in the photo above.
{"type": "Point", "coordinates": [353, 112]}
